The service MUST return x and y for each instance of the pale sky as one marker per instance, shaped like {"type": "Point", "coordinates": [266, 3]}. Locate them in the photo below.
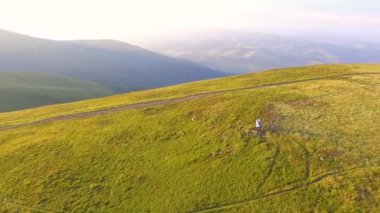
{"type": "Point", "coordinates": [131, 20]}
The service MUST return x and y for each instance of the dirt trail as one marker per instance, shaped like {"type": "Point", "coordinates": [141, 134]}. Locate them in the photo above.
{"type": "Point", "coordinates": [270, 170]}
{"type": "Point", "coordinates": [271, 194]}
{"type": "Point", "coordinates": [307, 156]}
{"type": "Point", "coordinates": [163, 102]}
{"type": "Point", "coordinates": [25, 208]}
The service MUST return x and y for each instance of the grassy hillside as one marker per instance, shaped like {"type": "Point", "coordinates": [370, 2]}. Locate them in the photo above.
{"type": "Point", "coordinates": [241, 81]}
{"type": "Point", "coordinates": [24, 90]}
{"type": "Point", "coordinates": [318, 151]}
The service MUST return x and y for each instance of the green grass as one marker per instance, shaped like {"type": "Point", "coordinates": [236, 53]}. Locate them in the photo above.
{"type": "Point", "coordinates": [320, 151]}
{"type": "Point", "coordinates": [255, 79]}
{"type": "Point", "coordinates": [26, 90]}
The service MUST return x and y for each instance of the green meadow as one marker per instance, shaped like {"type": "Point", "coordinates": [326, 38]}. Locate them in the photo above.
{"type": "Point", "coordinates": [241, 81]}
{"type": "Point", "coordinates": [26, 90]}
{"type": "Point", "coordinates": [318, 150]}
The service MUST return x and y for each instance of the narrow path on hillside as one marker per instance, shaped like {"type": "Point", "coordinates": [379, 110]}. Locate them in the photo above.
{"type": "Point", "coordinates": [307, 156]}
{"type": "Point", "coordinates": [270, 170]}
{"type": "Point", "coordinates": [166, 101]}
{"type": "Point", "coordinates": [271, 194]}
{"type": "Point", "coordinates": [25, 208]}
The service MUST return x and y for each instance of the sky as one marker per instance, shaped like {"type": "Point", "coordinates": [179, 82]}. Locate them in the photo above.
{"type": "Point", "coordinates": [135, 20]}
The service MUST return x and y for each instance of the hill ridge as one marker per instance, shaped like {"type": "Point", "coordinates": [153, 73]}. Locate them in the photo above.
{"type": "Point", "coordinates": [166, 101]}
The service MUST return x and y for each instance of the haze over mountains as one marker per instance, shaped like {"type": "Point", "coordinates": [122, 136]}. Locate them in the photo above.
{"type": "Point", "coordinates": [110, 66]}
{"type": "Point", "coordinates": [120, 66]}
{"type": "Point", "coordinates": [37, 72]}
{"type": "Point", "coordinates": [241, 52]}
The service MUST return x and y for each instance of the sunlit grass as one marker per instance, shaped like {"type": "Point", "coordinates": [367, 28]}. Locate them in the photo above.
{"type": "Point", "coordinates": [255, 79]}
{"type": "Point", "coordinates": [319, 153]}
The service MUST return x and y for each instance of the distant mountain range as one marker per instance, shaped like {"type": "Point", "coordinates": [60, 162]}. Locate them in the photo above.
{"type": "Point", "coordinates": [94, 68]}
{"type": "Point", "coordinates": [240, 52]}
{"type": "Point", "coordinates": [119, 66]}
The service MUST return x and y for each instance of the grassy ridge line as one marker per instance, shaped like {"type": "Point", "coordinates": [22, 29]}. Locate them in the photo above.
{"type": "Point", "coordinates": [162, 102]}
{"type": "Point", "coordinates": [253, 79]}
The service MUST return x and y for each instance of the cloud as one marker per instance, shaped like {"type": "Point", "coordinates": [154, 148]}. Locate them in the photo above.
{"type": "Point", "coordinates": [72, 19]}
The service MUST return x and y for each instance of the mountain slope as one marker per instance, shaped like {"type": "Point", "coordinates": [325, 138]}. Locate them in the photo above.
{"type": "Point", "coordinates": [240, 52]}
{"type": "Point", "coordinates": [318, 150]}
{"type": "Point", "coordinates": [25, 90]}
{"type": "Point", "coordinates": [119, 66]}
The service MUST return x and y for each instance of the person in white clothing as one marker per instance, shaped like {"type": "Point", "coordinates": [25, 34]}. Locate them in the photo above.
{"type": "Point", "coordinates": [259, 126]}
{"type": "Point", "coordinates": [258, 123]}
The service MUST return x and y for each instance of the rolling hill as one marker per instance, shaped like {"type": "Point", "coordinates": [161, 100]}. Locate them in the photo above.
{"type": "Point", "coordinates": [117, 65]}
{"type": "Point", "coordinates": [193, 147]}
{"type": "Point", "coordinates": [25, 90]}
{"type": "Point", "coordinates": [241, 52]}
